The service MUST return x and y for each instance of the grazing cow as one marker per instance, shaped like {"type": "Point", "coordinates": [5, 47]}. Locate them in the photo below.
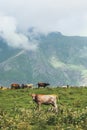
{"type": "Point", "coordinates": [45, 99]}
{"type": "Point", "coordinates": [3, 88]}
{"type": "Point", "coordinates": [66, 86]}
{"type": "Point", "coordinates": [40, 84]}
{"type": "Point", "coordinates": [27, 86]}
{"type": "Point", "coordinates": [22, 86]}
{"type": "Point", "coordinates": [15, 86]}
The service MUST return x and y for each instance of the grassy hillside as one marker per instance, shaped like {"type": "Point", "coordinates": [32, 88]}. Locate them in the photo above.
{"type": "Point", "coordinates": [18, 111]}
{"type": "Point", "coordinates": [59, 60]}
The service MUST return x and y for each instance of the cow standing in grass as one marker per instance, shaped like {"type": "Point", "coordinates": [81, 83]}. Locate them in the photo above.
{"type": "Point", "coordinates": [15, 86]}
{"type": "Point", "coordinates": [27, 86]}
{"type": "Point", "coordinates": [41, 84]}
{"type": "Point", "coordinates": [45, 99]}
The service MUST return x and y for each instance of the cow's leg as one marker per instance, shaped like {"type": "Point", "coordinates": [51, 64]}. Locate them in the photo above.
{"type": "Point", "coordinates": [39, 106]}
{"type": "Point", "coordinates": [55, 108]}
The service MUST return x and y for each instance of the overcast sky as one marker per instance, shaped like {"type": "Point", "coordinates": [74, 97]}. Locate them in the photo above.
{"type": "Point", "coordinates": [66, 16]}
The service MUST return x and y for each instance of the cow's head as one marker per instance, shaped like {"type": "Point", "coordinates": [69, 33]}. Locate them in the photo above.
{"type": "Point", "coordinates": [33, 96]}
{"type": "Point", "coordinates": [47, 84]}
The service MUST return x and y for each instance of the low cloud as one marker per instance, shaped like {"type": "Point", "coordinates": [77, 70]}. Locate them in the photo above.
{"type": "Point", "coordinates": [14, 38]}
{"type": "Point", "coordinates": [65, 16]}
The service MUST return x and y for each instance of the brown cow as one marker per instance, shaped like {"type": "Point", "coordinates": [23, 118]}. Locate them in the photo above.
{"type": "Point", "coordinates": [45, 99]}
{"type": "Point", "coordinates": [15, 86]}
{"type": "Point", "coordinates": [40, 84]}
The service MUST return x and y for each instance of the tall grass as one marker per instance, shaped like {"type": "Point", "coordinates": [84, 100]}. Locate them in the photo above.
{"type": "Point", "coordinates": [19, 112]}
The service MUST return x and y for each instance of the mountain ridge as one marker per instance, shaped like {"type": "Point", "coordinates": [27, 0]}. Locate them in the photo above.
{"type": "Point", "coordinates": [59, 60]}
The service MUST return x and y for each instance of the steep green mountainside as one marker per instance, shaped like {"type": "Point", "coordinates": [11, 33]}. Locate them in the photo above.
{"type": "Point", "coordinates": [59, 60]}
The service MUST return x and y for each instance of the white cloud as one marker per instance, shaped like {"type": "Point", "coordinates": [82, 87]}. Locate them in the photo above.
{"type": "Point", "coordinates": [66, 16]}
{"type": "Point", "coordinates": [8, 30]}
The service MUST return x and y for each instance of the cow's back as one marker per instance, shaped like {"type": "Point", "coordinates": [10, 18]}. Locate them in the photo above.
{"type": "Point", "coordinates": [46, 98]}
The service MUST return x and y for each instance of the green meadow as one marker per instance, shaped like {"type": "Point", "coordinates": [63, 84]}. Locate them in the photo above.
{"type": "Point", "coordinates": [19, 112]}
